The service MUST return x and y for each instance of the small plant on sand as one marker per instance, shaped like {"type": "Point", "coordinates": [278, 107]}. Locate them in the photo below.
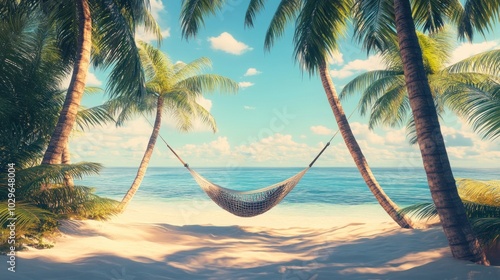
{"type": "Point", "coordinates": [481, 200]}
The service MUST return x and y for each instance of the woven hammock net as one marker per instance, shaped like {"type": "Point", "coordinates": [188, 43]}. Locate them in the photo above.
{"type": "Point", "coordinates": [248, 203]}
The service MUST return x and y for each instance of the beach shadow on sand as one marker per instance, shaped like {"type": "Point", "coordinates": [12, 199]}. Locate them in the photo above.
{"type": "Point", "coordinates": [351, 251]}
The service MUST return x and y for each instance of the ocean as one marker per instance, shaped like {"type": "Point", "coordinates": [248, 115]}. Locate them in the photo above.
{"type": "Point", "coordinates": [320, 186]}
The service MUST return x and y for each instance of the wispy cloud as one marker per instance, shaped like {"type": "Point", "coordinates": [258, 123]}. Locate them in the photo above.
{"type": "Point", "coordinates": [252, 72]}
{"type": "Point", "coordinates": [336, 58]}
{"type": "Point", "coordinates": [227, 43]}
{"type": "Point", "coordinates": [91, 80]}
{"type": "Point", "coordinates": [156, 8]}
{"type": "Point", "coordinates": [248, 107]}
{"type": "Point", "coordinates": [321, 130]}
{"type": "Point", "coordinates": [146, 36]}
{"type": "Point", "coordinates": [373, 62]}
{"type": "Point", "coordinates": [466, 50]}
{"type": "Point", "coordinates": [245, 84]}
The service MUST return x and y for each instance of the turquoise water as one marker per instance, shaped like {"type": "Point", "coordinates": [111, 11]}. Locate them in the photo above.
{"type": "Point", "coordinates": [335, 186]}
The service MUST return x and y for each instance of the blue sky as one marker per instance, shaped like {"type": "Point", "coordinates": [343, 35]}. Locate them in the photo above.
{"type": "Point", "coordinates": [280, 117]}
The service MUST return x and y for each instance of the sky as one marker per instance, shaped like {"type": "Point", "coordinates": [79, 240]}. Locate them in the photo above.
{"type": "Point", "coordinates": [280, 117]}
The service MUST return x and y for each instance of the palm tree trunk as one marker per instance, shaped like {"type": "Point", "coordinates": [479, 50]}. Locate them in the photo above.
{"type": "Point", "coordinates": [65, 159]}
{"type": "Point", "coordinates": [464, 245]}
{"type": "Point", "coordinates": [145, 159]}
{"type": "Point", "coordinates": [71, 104]}
{"type": "Point", "coordinates": [352, 145]}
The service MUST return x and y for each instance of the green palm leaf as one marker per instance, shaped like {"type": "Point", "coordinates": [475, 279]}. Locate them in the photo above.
{"type": "Point", "coordinates": [286, 11]}
{"type": "Point", "coordinates": [487, 230]}
{"type": "Point", "coordinates": [31, 179]}
{"type": "Point", "coordinates": [28, 216]}
{"type": "Point", "coordinates": [481, 200]}
{"type": "Point", "coordinates": [374, 23]}
{"type": "Point", "coordinates": [192, 14]}
{"type": "Point", "coordinates": [98, 115]}
{"type": "Point", "coordinates": [253, 8]}
{"type": "Point", "coordinates": [316, 23]}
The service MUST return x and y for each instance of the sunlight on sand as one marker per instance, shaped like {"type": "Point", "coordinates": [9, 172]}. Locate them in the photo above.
{"type": "Point", "coordinates": [154, 242]}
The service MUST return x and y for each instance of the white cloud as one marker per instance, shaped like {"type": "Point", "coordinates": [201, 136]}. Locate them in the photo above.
{"type": "Point", "coordinates": [128, 141]}
{"type": "Point", "coordinates": [396, 137]}
{"type": "Point", "coordinates": [91, 80]}
{"type": "Point", "coordinates": [363, 133]}
{"type": "Point", "coordinates": [245, 84]}
{"type": "Point", "coordinates": [248, 107]}
{"type": "Point", "coordinates": [156, 8]}
{"type": "Point", "coordinates": [252, 72]}
{"type": "Point", "coordinates": [373, 62]}
{"type": "Point", "coordinates": [227, 43]}
{"type": "Point", "coordinates": [146, 36]}
{"type": "Point", "coordinates": [205, 103]}
{"type": "Point", "coordinates": [466, 50]}
{"type": "Point", "coordinates": [321, 130]}
{"type": "Point", "coordinates": [336, 58]}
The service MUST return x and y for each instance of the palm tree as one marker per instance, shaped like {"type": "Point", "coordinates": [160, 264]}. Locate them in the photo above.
{"type": "Point", "coordinates": [374, 25]}
{"type": "Point", "coordinates": [481, 200]}
{"type": "Point", "coordinates": [172, 88]}
{"type": "Point", "coordinates": [30, 101]}
{"type": "Point", "coordinates": [384, 94]}
{"type": "Point", "coordinates": [106, 30]}
{"type": "Point", "coordinates": [318, 27]}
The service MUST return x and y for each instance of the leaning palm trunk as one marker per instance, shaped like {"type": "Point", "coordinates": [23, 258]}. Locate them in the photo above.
{"type": "Point", "coordinates": [67, 117]}
{"type": "Point", "coordinates": [345, 129]}
{"type": "Point", "coordinates": [65, 159]}
{"type": "Point", "coordinates": [464, 245]}
{"type": "Point", "coordinates": [145, 159]}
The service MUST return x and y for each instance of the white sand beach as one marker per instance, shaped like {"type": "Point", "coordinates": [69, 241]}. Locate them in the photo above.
{"type": "Point", "coordinates": [197, 240]}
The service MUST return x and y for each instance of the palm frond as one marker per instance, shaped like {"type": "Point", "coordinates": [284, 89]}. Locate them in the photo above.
{"type": "Point", "coordinates": [484, 192]}
{"type": "Point", "coordinates": [479, 103]}
{"type": "Point", "coordinates": [475, 16]}
{"type": "Point", "coordinates": [205, 116]}
{"type": "Point", "coordinates": [31, 179]}
{"type": "Point", "coordinates": [117, 48]}
{"type": "Point", "coordinates": [253, 8]}
{"type": "Point", "coordinates": [94, 116]}
{"type": "Point", "coordinates": [411, 132]}
{"type": "Point", "coordinates": [392, 107]}
{"type": "Point", "coordinates": [487, 62]}
{"type": "Point", "coordinates": [193, 12]}
{"type": "Point", "coordinates": [362, 82]}
{"type": "Point", "coordinates": [193, 68]}
{"type": "Point", "coordinates": [151, 25]}
{"type": "Point", "coordinates": [376, 90]}
{"type": "Point", "coordinates": [75, 201]}
{"type": "Point", "coordinates": [374, 23]}
{"type": "Point", "coordinates": [421, 211]}
{"type": "Point", "coordinates": [155, 63]}
{"type": "Point", "coordinates": [319, 25]}
{"type": "Point", "coordinates": [430, 14]}
{"type": "Point", "coordinates": [286, 11]}
{"type": "Point", "coordinates": [487, 230]}
{"type": "Point", "coordinates": [209, 82]}
{"type": "Point", "coordinates": [27, 215]}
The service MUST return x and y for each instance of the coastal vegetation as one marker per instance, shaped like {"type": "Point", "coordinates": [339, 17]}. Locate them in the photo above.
{"type": "Point", "coordinates": [31, 100]}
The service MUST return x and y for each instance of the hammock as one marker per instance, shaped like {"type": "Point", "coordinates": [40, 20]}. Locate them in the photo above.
{"type": "Point", "coordinates": [248, 203]}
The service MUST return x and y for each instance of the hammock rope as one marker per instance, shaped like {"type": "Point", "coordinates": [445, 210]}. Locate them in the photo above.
{"type": "Point", "coordinates": [248, 203]}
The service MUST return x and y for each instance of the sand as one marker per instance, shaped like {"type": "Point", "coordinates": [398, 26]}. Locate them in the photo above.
{"type": "Point", "coordinates": [196, 240]}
